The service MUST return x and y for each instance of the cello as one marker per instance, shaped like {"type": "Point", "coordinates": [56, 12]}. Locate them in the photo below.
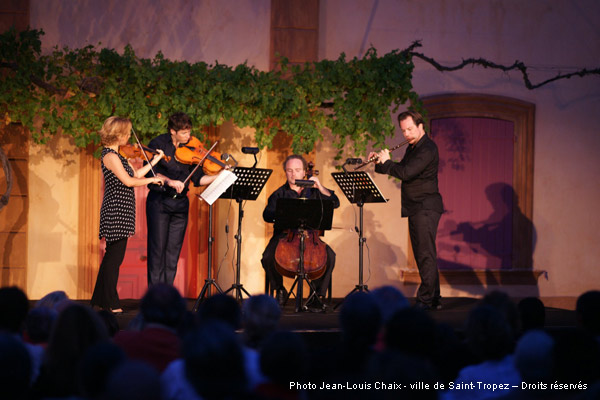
{"type": "Point", "coordinates": [287, 253]}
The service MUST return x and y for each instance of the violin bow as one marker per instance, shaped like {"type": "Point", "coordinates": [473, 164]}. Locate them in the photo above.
{"type": "Point", "coordinates": [142, 150]}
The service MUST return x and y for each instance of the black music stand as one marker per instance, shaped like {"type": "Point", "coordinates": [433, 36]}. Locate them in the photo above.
{"type": "Point", "coordinates": [359, 188]}
{"type": "Point", "coordinates": [209, 279]}
{"type": "Point", "coordinates": [247, 187]}
{"type": "Point", "coordinates": [301, 214]}
{"type": "Point", "coordinates": [210, 195]}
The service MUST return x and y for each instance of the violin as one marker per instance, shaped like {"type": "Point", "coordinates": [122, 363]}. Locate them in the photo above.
{"type": "Point", "coordinates": [287, 253]}
{"type": "Point", "coordinates": [193, 152]}
{"type": "Point", "coordinates": [135, 151]}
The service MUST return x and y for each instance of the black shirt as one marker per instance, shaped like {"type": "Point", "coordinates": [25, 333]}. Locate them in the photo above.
{"type": "Point", "coordinates": [285, 192]}
{"type": "Point", "coordinates": [418, 171]}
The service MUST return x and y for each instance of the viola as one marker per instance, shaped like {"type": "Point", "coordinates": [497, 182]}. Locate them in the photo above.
{"type": "Point", "coordinates": [193, 152]}
{"type": "Point", "coordinates": [135, 151]}
{"type": "Point", "coordinates": [287, 253]}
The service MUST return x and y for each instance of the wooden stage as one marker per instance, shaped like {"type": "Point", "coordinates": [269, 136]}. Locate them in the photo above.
{"type": "Point", "coordinates": [454, 313]}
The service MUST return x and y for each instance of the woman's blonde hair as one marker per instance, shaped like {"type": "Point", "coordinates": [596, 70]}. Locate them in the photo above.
{"type": "Point", "coordinates": [113, 129]}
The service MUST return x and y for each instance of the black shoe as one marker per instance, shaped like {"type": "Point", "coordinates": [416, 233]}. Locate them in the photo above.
{"type": "Point", "coordinates": [419, 305]}
{"type": "Point", "coordinates": [436, 304]}
{"type": "Point", "coordinates": [281, 296]}
{"type": "Point", "coordinates": [316, 304]}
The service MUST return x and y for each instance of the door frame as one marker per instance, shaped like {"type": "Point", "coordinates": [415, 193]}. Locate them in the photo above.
{"type": "Point", "coordinates": [522, 115]}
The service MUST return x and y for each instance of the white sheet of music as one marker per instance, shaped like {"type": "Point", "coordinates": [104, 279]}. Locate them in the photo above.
{"type": "Point", "coordinates": [218, 186]}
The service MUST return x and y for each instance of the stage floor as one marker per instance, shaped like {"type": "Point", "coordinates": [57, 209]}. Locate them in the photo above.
{"type": "Point", "coordinates": [454, 313]}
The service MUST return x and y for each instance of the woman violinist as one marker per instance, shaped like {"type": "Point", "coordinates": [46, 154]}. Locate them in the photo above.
{"type": "Point", "coordinates": [295, 167]}
{"type": "Point", "coordinates": [167, 206]}
{"type": "Point", "coordinates": [117, 214]}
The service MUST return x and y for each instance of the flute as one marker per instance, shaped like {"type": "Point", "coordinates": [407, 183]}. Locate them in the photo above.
{"type": "Point", "coordinates": [374, 158]}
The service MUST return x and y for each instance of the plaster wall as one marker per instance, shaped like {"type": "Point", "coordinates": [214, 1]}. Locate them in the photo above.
{"type": "Point", "coordinates": [232, 32]}
{"type": "Point", "coordinates": [53, 216]}
{"type": "Point", "coordinates": [549, 37]}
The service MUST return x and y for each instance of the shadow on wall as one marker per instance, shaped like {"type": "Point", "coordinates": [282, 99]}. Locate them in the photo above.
{"type": "Point", "coordinates": [487, 248]}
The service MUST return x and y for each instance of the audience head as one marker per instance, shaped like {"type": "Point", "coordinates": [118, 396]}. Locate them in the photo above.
{"type": "Point", "coordinates": [576, 357]}
{"type": "Point", "coordinates": [411, 331]}
{"type": "Point", "coordinates": [221, 307]}
{"type": "Point", "coordinates": [53, 300]}
{"type": "Point", "coordinates": [133, 380]}
{"type": "Point", "coordinates": [503, 303]}
{"type": "Point", "coordinates": [15, 367]}
{"type": "Point", "coordinates": [488, 334]}
{"type": "Point", "coordinates": [402, 369]}
{"type": "Point", "coordinates": [532, 313]}
{"type": "Point", "coordinates": [280, 349]}
{"type": "Point", "coordinates": [76, 329]}
{"type": "Point", "coordinates": [214, 361]}
{"type": "Point", "coordinates": [360, 320]}
{"type": "Point", "coordinates": [260, 318]}
{"type": "Point", "coordinates": [14, 306]}
{"type": "Point", "coordinates": [390, 300]}
{"type": "Point", "coordinates": [534, 356]}
{"type": "Point", "coordinates": [98, 362]}
{"type": "Point", "coordinates": [39, 323]}
{"type": "Point", "coordinates": [162, 304]}
{"type": "Point", "coordinates": [588, 311]}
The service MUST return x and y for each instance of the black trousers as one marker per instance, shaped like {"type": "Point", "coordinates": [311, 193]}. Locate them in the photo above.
{"type": "Point", "coordinates": [105, 292]}
{"type": "Point", "coordinates": [422, 228]}
{"type": "Point", "coordinates": [167, 220]}
{"type": "Point", "coordinates": [275, 278]}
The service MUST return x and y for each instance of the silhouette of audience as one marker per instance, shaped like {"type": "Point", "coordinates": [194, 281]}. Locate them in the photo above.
{"type": "Point", "coordinates": [214, 361]}
{"type": "Point", "coordinates": [15, 368]}
{"type": "Point", "coordinates": [228, 351]}
{"type": "Point", "coordinates": [588, 312]}
{"type": "Point", "coordinates": [162, 309]}
{"type": "Point", "coordinates": [283, 359]}
{"type": "Point", "coordinates": [14, 307]}
{"type": "Point", "coordinates": [77, 328]}
{"type": "Point", "coordinates": [532, 314]}
{"type": "Point", "coordinates": [490, 337]}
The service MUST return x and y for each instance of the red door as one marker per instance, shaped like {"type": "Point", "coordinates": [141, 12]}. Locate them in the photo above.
{"type": "Point", "coordinates": [475, 180]}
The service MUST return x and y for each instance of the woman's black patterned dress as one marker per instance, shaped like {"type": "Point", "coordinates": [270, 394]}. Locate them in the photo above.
{"type": "Point", "coordinates": [117, 224]}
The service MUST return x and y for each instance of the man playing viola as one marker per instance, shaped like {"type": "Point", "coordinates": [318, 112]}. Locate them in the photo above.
{"type": "Point", "coordinates": [295, 167]}
{"type": "Point", "coordinates": [167, 207]}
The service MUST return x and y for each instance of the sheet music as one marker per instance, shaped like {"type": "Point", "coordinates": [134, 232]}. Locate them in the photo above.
{"type": "Point", "coordinates": [218, 186]}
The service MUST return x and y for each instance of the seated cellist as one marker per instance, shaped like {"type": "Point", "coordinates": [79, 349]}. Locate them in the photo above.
{"type": "Point", "coordinates": [295, 167]}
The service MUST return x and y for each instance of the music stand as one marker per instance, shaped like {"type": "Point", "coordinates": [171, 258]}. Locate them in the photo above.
{"type": "Point", "coordinates": [247, 187]}
{"type": "Point", "coordinates": [301, 214]}
{"type": "Point", "coordinates": [210, 195]}
{"type": "Point", "coordinates": [359, 188]}
{"type": "Point", "coordinates": [209, 279]}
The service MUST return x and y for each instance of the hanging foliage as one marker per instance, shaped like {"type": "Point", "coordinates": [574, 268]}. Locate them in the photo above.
{"type": "Point", "coordinates": [72, 91]}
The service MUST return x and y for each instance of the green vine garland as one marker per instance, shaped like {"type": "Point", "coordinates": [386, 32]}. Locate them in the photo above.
{"type": "Point", "coordinates": [73, 91]}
